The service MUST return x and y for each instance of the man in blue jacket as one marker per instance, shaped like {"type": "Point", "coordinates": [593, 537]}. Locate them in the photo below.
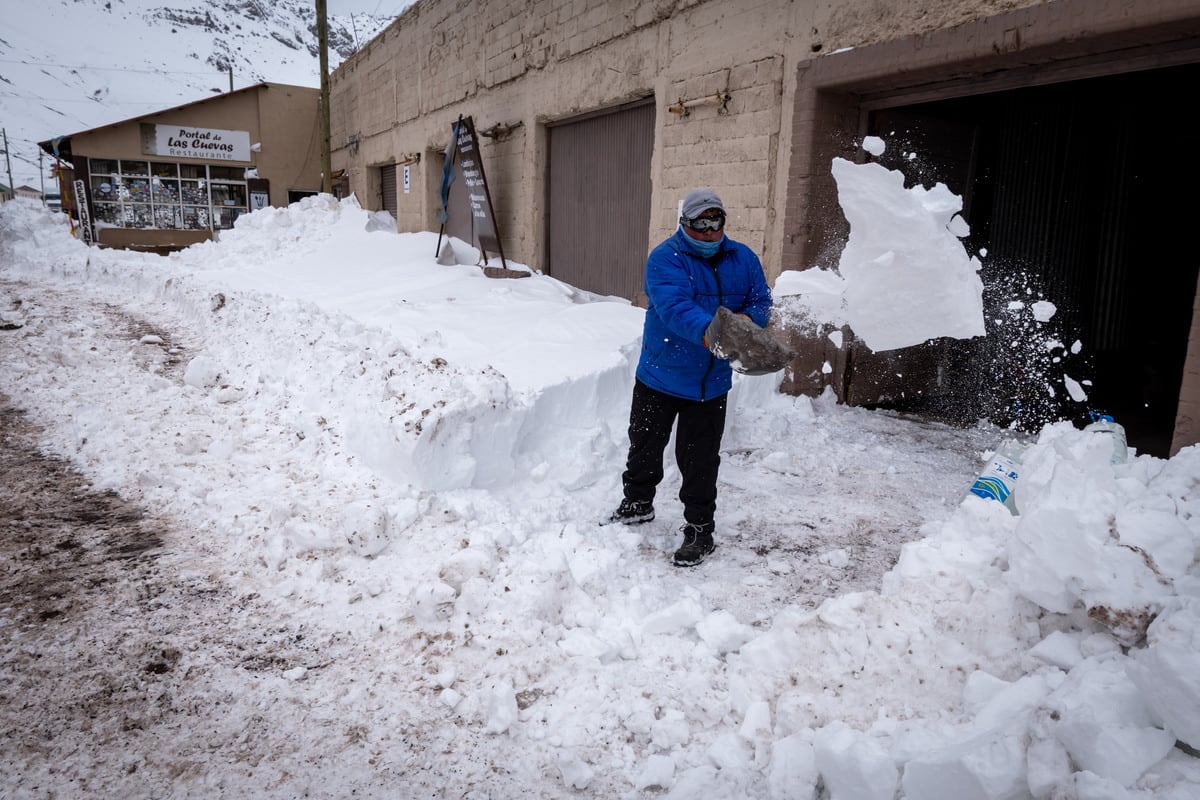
{"type": "Point", "coordinates": [688, 276]}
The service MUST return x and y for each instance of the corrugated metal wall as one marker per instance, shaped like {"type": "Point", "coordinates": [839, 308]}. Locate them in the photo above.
{"type": "Point", "coordinates": [1078, 197]}
{"type": "Point", "coordinates": [387, 188]}
{"type": "Point", "coordinates": [599, 200]}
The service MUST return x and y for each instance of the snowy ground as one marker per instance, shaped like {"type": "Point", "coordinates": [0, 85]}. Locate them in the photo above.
{"type": "Point", "coordinates": [352, 552]}
{"type": "Point", "coordinates": [191, 670]}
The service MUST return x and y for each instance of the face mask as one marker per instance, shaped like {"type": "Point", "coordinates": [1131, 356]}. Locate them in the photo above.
{"type": "Point", "coordinates": [703, 249]}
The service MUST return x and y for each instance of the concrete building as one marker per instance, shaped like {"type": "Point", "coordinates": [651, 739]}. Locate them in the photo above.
{"type": "Point", "coordinates": [166, 180]}
{"type": "Point", "coordinates": [1050, 118]}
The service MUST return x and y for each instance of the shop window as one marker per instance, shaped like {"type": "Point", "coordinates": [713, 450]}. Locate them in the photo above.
{"type": "Point", "coordinates": [166, 195]}
{"type": "Point", "coordinates": [227, 173]}
{"type": "Point", "coordinates": [229, 202]}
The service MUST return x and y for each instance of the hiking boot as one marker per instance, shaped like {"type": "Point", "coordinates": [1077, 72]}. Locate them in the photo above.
{"type": "Point", "coordinates": [697, 544]}
{"type": "Point", "coordinates": [631, 512]}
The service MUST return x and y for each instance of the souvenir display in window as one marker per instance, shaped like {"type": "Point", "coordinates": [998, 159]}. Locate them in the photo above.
{"type": "Point", "coordinates": [164, 190]}
{"type": "Point", "coordinates": [194, 192]}
{"type": "Point", "coordinates": [168, 217]}
{"type": "Point", "coordinates": [166, 195]}
{"type": "Point", "coordinates": [195, 217]}
{"type": "Point", "coordinates": [107, 213]}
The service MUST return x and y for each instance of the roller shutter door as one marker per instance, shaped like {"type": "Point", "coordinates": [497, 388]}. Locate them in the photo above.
{"type": "Point", "coordinates": [599, 200]}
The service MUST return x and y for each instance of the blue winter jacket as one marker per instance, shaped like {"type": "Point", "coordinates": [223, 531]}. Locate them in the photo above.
{"type": "Point", "coordinates": [685, 290]}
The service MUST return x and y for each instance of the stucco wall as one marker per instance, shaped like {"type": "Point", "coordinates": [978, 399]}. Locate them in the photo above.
{"type": "Point", "coordinates": [290, 130]}
{"type": "Point", "coordinates": [534, 63]}
{"type": "Point", "coordinates": [799, 75]}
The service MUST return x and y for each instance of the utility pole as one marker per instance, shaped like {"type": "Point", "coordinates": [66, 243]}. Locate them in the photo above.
{"type": "Point", "coordinates": [323, 47]}
{"type": "Point", "coordinates": [8, 161]}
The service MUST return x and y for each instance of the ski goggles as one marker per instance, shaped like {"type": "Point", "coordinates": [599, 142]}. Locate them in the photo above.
{"type": "Point", "coordinates": [704, 223]}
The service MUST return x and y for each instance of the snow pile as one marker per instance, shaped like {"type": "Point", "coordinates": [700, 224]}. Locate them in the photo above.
{"type": "Point", "coordinates": [422, 385]}
{"type": "Point", "coordinates": [409, 455]}
{"type": "Point", "coordinates": [1064, 693]}
{"type": "Point", "coordinates": [1096, 706]}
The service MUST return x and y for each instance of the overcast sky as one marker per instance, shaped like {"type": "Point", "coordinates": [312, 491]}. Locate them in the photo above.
{"type": "Point", "coordinates": [382, 8]}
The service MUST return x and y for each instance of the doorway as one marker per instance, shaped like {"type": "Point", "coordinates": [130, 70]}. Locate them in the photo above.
{"type": "Point", "coordinates": [1080, 193]}
{"type": "Point", "coordinates": [598, 205]}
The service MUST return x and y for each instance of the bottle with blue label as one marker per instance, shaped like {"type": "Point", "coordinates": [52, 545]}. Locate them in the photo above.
{"type": "Point", "coordinates": [998, 480]}
{"type": "Point", "coordinates": [1107, 426]}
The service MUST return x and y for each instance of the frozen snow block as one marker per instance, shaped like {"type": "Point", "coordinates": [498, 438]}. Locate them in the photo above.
{"type": "Point", "coordinates": [793, 769]}
{"type": "Point", "coordinates": [675, 618]}
{"type": "Point", "coordinates": [1090, 786]}
{"type": "Point", "coordinates": [1168, 673]}
{"type": "Point", "coordinates": [1059, 649]}
{"type": "Point", "coordinates": [987, 767]}
{"type": "Point", "coordinates": [722, 632]}
{"type": "Point", "coordinates": [854, 765]}
{"type": "Point", "coordinates": [1049, 766]}
{"type": "Point", "coordinates": [1104, 722]}
{"type": "Point", "coordinates": [657, 772]}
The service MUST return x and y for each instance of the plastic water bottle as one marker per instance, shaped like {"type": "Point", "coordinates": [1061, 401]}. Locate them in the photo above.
{"type": "Point", "coordinates": [998, 480]}
{"type": "Point", "coordinates": [1104, 424]}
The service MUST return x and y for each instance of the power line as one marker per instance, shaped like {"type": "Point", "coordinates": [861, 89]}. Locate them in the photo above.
{"type": "Point", "coordinates": [105, 100]}
{"type": "Point", "coordinates": [106, 69]}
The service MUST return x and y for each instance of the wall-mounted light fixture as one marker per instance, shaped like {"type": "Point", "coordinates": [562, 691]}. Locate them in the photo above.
{"type": "Point", "coordinates": [684, 107]}
{"type": "Point", "coordinates": [409, 158]}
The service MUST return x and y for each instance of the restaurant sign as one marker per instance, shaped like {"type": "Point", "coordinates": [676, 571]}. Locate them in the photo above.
{"type": "Point", "coordinates": [183, 141]}
{"type": "Point", "coordinates": [85, 214]}
{"type": "Point", "coordinates": [463, 158]}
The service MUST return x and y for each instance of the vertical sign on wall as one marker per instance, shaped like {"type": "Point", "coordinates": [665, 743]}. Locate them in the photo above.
{"type": "Point", "coordinates": [407, 180]}
{"type": "Point", "coordinates": [85, 214]}
{"type": "Point", "coordinates": [468, 163]}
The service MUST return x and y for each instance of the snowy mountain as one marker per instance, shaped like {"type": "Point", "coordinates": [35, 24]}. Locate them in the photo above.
{"type": "Point", "coordinates": [71, 65]}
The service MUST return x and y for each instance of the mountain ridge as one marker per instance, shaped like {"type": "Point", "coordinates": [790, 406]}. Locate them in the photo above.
{"type": "Point", "coordinates": [72, 65]}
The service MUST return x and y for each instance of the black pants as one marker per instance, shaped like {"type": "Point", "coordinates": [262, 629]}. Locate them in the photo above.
{"type": "Point", "coordinates": [697, 449]}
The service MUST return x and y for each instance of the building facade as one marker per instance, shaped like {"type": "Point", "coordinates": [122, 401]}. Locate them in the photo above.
{"type": "Point", "coordinates": [595, 117]}
{"type": "Point", "coordinates": [172, 178]}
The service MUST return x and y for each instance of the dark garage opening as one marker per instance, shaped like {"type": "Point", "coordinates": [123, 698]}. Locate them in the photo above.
{"type": "Point", "coordinates": [1082, 194]}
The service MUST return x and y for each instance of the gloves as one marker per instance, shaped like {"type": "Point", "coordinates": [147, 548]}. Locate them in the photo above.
{"type": "Point", "coordinates": [713, 332]}
{"type": "Point", "coordinates": [750, 349]}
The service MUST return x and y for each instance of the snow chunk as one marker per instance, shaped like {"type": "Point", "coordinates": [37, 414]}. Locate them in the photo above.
{"type": "Point", "coordinates": [202, 372]}
{"type": "Point", "coordinates": [722, 632]}
{"type": "Point", "coordinates": [1043, 310]}
{"type": "Point", "coordinates": [1104, 722]}
{"type": "Point", "coordinates": [1168, 672]}
{"type": "Point", "coordinates": [675, 618]}
{"type": "Point", "coordinates": [659, 771]}
{"type": "Point", "coordinates": [501, 710]}
{"type": "Point", "coordinates": [854, 765]}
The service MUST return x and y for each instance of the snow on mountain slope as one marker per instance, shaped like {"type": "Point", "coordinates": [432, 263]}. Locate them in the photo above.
{"type": "Point", "coordinates": [71, 65]}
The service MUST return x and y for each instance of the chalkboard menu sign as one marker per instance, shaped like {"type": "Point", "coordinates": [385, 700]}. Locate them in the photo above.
{"type": "Point", "coordinates": [463, 158]}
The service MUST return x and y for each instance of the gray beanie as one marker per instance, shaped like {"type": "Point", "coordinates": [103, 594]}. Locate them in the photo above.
{"type": "Point", "coordinates": [698, 201]}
